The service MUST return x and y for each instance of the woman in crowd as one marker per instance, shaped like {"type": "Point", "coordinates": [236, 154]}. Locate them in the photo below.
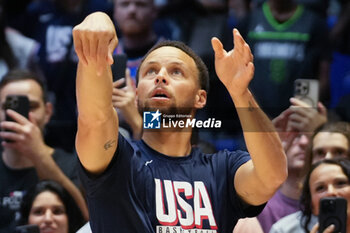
{"type": "Point", "coordinates": [50, 206]}
{"type": "Point", "coordinates": [326, 178]}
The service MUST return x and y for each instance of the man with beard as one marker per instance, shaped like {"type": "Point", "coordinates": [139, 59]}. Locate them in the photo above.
{"type": "Point", "coordinates": [25, 158]}
{"type": "Point", "coordinates": [160, 183]}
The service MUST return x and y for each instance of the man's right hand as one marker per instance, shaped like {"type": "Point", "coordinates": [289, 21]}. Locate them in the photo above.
{"type": "Point", "coordinates": [25, 136]}
{"type": "Point", "coordinates": [95, 40]}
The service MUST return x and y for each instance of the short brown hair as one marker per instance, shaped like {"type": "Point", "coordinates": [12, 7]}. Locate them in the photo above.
{"type": "Point", "coordinates": [21, 75]}
{"type": "Point", "coordinates": [203, 75]}
{"type": "Point", "coordinates": [341, 127]}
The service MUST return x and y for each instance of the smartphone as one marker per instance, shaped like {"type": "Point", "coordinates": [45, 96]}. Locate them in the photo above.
{"type": "Point", "coordinates": [119, 67]}
{"type": "Point", "coordinates": [18, 103]}
{"type": "Point", "coordinates": [307, 90]}
{"type": "Point", "coordinates": [333, 211]}
{"type": "Point", "coordinates": [27, 229]}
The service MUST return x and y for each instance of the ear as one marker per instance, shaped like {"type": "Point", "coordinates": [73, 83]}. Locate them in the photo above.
{"type": "Point", "coordinates": [200, 99]}
{"type": "Point", "coordinates": [48, 112]}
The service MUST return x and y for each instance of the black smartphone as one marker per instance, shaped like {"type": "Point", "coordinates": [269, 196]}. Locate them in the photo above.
{"type": "Point", "coordinates": [119, 67]}
{"type": "Point", "coordinates": [27, 229]}
{"type": "Point", "coordinates": [18, 103]}
{"type": "Point", "coordinates": [333, 211]}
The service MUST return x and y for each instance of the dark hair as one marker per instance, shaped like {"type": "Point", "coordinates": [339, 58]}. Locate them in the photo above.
{"type": "Point", "coordinates": [341, 127]}
{"type": "Point", "coordinates": [74, 215]}
{"type": "Point", "coordinates": [305, 199]}
{"type": "Point", "coordinates": [21, 75]}
{"type": "Point", "coordinates": [203, 75]}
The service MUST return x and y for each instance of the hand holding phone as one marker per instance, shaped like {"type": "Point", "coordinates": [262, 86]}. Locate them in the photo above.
{"type": "Point", "coordinates": [119, 67]}
{"type": "Point", "coordinates": [333, 210]}
{"type": "Point", "coordinates": [18, 103]}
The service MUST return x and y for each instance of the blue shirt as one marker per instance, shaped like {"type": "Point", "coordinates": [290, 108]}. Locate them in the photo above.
{"type": "Point", "coordinates": [143, 190]}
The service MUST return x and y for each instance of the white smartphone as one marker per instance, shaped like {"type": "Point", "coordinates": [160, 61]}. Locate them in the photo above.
{"type": "Point", "coordinates": [307, 90]}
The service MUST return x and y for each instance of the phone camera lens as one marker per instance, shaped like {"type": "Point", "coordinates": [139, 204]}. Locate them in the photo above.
{"type": "Point", "coordinates": [14, 103]}
{"type": "Point", "coordinates": [329, 206]}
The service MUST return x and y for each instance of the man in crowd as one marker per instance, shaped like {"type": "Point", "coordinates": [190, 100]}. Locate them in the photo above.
{"type": "Point", "coordinates": [25, 157]}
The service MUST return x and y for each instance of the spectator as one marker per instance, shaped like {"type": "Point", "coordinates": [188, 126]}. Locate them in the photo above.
{"type": "Point", "coordinates": [49, 206]}
{"type": "Point", "coordinates": [135, 21]}
{"type": "Point", "coordinates": [288, 42]}
{"type": "Point", "coordinates": [28, 158]}
{"type": "Point", "coordinates": [326, 178]}
{"type": "Point", "coordinates": [330, 141]}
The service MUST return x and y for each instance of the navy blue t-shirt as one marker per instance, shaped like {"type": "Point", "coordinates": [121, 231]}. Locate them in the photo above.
{"type": "Point", "coordinates": [143, 190]}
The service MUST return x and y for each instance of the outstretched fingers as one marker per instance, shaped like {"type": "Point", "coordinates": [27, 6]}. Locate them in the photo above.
{"type": "Point", "coordinates": [238, 41]}
{"type": "Point", "coordinates": [218, 48]}
{"type": "Point", "coordinates": [241, 47]}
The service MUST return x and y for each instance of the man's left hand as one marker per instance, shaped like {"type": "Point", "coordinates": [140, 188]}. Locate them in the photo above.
{"type": "Point", "coordinates": [235, 68]}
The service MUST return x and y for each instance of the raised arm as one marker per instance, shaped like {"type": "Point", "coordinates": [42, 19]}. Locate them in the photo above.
{"type": "Point", "coordinates": [257, 180]}
{"type": "Point", "coordinates": [96, 141]}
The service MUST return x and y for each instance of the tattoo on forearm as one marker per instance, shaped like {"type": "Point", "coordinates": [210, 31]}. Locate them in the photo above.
{"type": "Point", "coordinates": [250, 108]}
{"type": "Point", "coordinates": [109, 144]}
